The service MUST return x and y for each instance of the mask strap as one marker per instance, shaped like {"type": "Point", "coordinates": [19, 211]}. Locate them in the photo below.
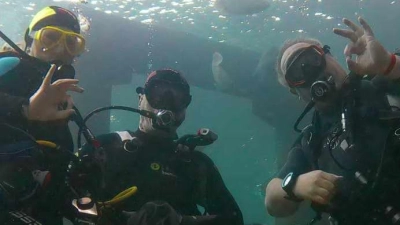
{"type": "Point", "coordinates": [28, 39]}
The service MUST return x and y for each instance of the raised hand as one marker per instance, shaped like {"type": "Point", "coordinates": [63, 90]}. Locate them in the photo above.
{"type": "Point", "coordinates": [371, 57]}
{"type": "Point", "coordinates": [44, 105]}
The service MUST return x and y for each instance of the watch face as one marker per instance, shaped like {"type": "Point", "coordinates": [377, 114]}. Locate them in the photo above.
{"type": "Point", "coordinates": [287, 179]}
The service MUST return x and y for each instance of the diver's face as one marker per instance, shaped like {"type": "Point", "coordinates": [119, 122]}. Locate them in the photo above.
{"type": "Point", "coordinates": [146, 124]}
{"type": "Point", "coordinates": [304, 94]}
{"type": "Point", "coordinates": [56, 44]}
{"type": "Point", "coordinates": [303, 64]}
{"type": "Point", "coordinates": [334, 69]}
{"type": "Point", "coordinates": [57, 53]}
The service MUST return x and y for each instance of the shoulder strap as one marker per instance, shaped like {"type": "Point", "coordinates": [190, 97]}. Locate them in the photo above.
{"type": "Point", "coordinates": [309, 142]}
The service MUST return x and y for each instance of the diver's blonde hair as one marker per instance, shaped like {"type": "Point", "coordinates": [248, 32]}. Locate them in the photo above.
{"type": "Point", "coordinates": [7, 48]}
{"type": "Point", "coordinates": [285, 46]}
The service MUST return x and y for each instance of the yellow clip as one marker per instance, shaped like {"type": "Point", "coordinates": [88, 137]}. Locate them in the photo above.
{"type": "Point", "coordinates": [47, 143]}
{"type": "Point", "coordinates": [121, 196]}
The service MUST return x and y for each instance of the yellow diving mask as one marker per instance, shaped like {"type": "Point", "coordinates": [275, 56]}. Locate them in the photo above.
{"type": "Point", "coordinates": [51, 36]}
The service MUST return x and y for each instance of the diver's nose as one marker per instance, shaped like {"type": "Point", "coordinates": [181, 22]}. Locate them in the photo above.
{"type": "Point", "coordinates": [60, 49]}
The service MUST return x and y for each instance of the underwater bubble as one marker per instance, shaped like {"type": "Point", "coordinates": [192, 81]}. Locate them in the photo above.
{"type": "Point", "coordinates": [84, 23]}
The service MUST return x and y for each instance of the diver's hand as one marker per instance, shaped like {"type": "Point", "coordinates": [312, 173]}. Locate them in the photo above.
{"type": "Point", "coordinates": [316, 186]}
{"type": "Point", "coordinates": [371, 57]}
{"type": "Point", "coordinates": [155, 212]}
{"type": "Point", "coordinates": [44, 105]}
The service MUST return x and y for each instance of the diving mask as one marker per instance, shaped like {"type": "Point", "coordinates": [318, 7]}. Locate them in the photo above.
{"type": "Point", "coordinates": [163, 94]}
{"type": "Point", "coordinates": [51, 37]}
{"type": "Point", "coordinates": [306, 66]}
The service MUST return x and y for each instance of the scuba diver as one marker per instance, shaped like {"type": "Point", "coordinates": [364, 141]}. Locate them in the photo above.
{"type": "Point", "coordinates": [172, 180]}
{"type": "Point", "coordinates": [346, 162]}
{"type": "Point", "coordinates": [51, 38]}
{"type": "Point", "coordinates": [35, 106]}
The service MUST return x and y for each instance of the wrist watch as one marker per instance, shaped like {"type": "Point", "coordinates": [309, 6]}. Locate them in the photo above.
{"type": "Point", "coordinates": [288, 184]}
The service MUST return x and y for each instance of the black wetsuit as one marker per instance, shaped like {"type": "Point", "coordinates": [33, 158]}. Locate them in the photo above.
{"type": "Point", "coordinates": [162, 175]}
{"type": "Point", "coordinates": [323, 147]}
{"type": "Point", "coordinates": [19, 80]}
